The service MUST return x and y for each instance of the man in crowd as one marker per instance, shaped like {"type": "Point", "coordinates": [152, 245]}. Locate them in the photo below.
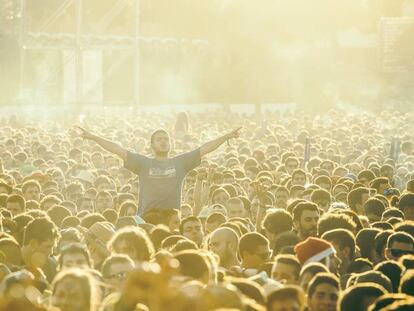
{"type": "Point", "coordinates": [260, 230]}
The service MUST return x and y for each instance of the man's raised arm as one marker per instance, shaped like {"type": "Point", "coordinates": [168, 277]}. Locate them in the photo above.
{"type": "Point", "coordinates": [104, 143]}
{"type": "Point", "coordinates": [214, 144]}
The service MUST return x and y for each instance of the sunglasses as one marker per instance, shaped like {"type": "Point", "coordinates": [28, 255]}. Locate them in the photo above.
{"type": "Point", "coordinates": [400, 252]}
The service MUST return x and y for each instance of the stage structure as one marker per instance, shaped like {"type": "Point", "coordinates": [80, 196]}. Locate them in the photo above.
{"type": "Point", "coordinates": [397, 60]}
{"type": "Point", "coordinates": [73, 53]}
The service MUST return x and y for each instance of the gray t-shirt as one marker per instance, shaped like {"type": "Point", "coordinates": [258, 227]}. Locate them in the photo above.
{"type": "Point", "coordinates": [160, 182]}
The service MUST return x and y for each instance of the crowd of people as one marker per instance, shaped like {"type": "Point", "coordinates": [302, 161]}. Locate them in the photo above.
{"type": "Point", "coordinates": [207, 211]}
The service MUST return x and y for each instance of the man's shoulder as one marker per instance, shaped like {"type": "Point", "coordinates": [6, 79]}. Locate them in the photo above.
{"type": "Point", "coordinates": [186, 154]}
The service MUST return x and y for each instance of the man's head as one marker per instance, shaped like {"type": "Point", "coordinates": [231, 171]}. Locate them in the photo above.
{"type": "Point", "coordinates": [286, 298]}
{"type": "Point", "coordinates": [380, 184]}
{"type": "Point", "coordinates": [214, 221]}
{"type": "Point", "coordinates": [281, 197]}
{"type": "Point", "coordinates": [365, 177]}
{"type": "Point", "coordinates": [74, 191]}
{"type": "Point", "coordinates": [160, 142]}
{"type": "Point", "coordinates": [235, 208]}
{"type": "Point", "coordinates": [31, 190]}
{"type": "Point", "coordinates": [224, 242]}
{"type": "Point", "coordinates": [103, 201]}
{"type": "Point", "coordinates": [360, 297]}
{"type": "Point", "coordinates": [323, 292]}
{"type": "Point", "coordinates": [330, 221]}
{"type": "Point", "coordinates": [286, 269]}
{"type": "Point", "coordinates": [357, 199]}
{"type": "Point", "coordinates": [374, 208]}
{"type": "Point", "coordinates": [134, 242]}
{"type": "Point", "coordinates": [97, 160]}
{"type": "Point", "coordinates": [115, 270]}
{"type": "Point", "coordinates": [406, 205]}
{"type": "Point", "coordinates": [275, 223]}
{"type": "Point", "coordinates": [291, 164]}
{"type": "Point", "coordinates": [194, 264]}
{"type": "Point", "coordinates": [16, 204]}
{"type": "Point", "coordinates": [10, 252]}
{"type": "Point", "coordinates": [97, 236]}
{"type": "Point", "coordinates": [324, 182]}
{"type": "Point", "coordinates": [322, 198]}
{"type": "Point", "coordinates": [308, 271]}
{"type": "Point", "coordinates": [387, 171]}
{"type": "Point", "coordinates": [399, 244]}
{"type": "Point", "coordinates": [74, 255]}
{"type": "Point", "coordinates": [305, 219]}
{"type": "Point", "coordinates": [344, 244]}
{"type": "Point", "coordinates": [254, 250]}
{"type": "Point", "coordinates": [39, 239]}
{"type": "Point", "coordinates": [192, 228]}
{"type": "Point", "coordinates": [298, 177]}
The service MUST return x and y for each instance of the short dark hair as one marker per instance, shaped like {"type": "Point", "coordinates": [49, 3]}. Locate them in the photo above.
{"type": "Point", "coordinates": [278, 221]}
{"type": "Point", "coordinates": [304, 206]}
{"type": "Point", "coordinates": [357, 293]}
{"type": "Point", "coordinates": [188, 219]}
{"type": "Point", "coordinates": [313, 268]}
{"type": "Point", "coordinates": [406, 226]}
{"type": "Point", "coordinates": [182, 245]}
{"type": "Point", "coordinates": [374, 206]}
{"type": "Point", "coordinates": [393, 270]}
{"type": "Point", "coordinates": [193, 263]}
{"type": "Point", "coordinates": [330, 221]}
{"type": "Point", "coordinates": [114, 259]}
{"type": "Point", "coordinates": [298, 171]}
{"type": "Point", "coordinates": [216, 217]}
{"type": "Point", "coordinates": [284, 241]}
{"type": "Point", "coordinates": [75, 248]}
{"type": "Point", "coordinates": [407, 283]}
{"type": "Point", "coordinates": [343, 238]}
{"type": "Point", "coordinates": [31, 183]}
{"type": "Point", "coordinates": [16, 198]}
{"type": "Point", "coordinates": [320, 194]}
{"type": "Point", "coordinates": [365, 241]}
{"type": "Point", "coordinates": [57, 213]}
{"type": "Point", "coordinates": [290, 292]}
{"type": "Point", "coordinates": [290, 260]}
{"type": "Point", "coordinates": [250, 288]}
{"type": "Point", "coordinates": [91, 219]}
{"type": "Point", "coordinates": [359, 265]}
{"type": "Point", "coordinates": [377, 182]}
{"type": "Point", "coordinates": [401, 237]}
{"type": "Point", "coordinates": [137, 238]}
{"type": "Point", "coordinates": [392, 212]}
{"type": "Point", "coordinates": [322, 278]}
{"type": "Point", "coordinates": [156, 132]}
{"type": "Point", "coordinates": [380, 242]}
{"type": "Point", "coordinates": [355, 197]}
{"type": "Point", "coordinates": [40, 229]}
{"type": "Point", "coordinates": [250, 241]}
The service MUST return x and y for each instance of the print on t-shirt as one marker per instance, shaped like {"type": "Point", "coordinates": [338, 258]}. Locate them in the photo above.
{"type": "Point", "coordinates": [159, 172]}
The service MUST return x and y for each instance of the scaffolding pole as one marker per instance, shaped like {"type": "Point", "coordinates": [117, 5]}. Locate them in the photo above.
{"type": "Point", "coordinates": [137, 54]}
{"type": "Point", "coordinates": [21, 43]}
{"type": "Point", "coordinates": [78, 53]}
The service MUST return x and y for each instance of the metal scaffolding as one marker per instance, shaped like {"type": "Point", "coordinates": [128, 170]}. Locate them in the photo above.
{"type": "Point", "coordinates": [76, 42]}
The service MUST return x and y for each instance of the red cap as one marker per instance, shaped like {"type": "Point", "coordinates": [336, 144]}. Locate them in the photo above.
{"type": "Point", "coordinates": [313, 250]}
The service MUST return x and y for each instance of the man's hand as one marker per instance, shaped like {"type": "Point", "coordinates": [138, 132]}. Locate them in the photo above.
{"type": "Point", "coordinates": [260, 191]}
{"type": "Point", "coordinates": [214, 144]}
{"type": "Point", "coordinates": [84, 133]}
{"type": "Point", "coordinates": [234, 134]}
